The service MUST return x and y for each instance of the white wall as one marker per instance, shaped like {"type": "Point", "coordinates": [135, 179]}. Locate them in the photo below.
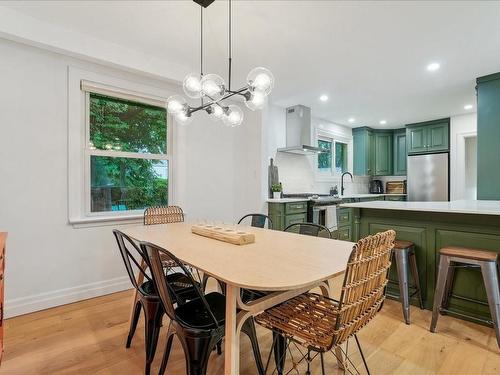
{"type": "Point", "coordinates": [49, 262]}
{"type": "Point", "coordinates": [298, 172]}
{"type": "Point", "coordinates": [461, 127]}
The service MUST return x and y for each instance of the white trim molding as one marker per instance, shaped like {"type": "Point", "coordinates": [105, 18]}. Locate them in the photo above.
{"type": "Point", "coordinates": [78, 168]}
{"type": "Point", "coordinates": [42, 301]}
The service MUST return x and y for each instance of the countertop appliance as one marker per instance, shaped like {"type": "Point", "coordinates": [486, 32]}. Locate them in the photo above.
{"type": "Point", "coordinates": [428, 177]}
{"type": "Point", "coordinates": [376, 187]}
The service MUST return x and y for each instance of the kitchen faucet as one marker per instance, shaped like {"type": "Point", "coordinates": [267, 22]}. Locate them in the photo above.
{"type": "Point", "coordinates": [342, 182]}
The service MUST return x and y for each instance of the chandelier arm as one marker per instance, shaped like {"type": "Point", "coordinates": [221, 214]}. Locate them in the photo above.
{"type": "Point", "coordinates": [217, 102]}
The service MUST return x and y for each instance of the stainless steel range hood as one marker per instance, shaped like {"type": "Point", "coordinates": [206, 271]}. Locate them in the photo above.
{"type": "Point", "coordinates": [299, 132]}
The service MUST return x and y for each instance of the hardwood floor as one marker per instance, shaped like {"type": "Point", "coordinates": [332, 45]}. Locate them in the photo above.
{"type": "Point", "coordinates": [89, 338]}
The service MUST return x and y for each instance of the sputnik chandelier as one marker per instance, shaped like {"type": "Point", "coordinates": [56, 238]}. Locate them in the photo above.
{"type": "Point", "coordinates": [212, 90]}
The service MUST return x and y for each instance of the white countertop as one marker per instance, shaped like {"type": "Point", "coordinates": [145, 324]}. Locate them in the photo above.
{"type": "Point", "coordinates": [287, 200]}
{"type": "Point", "coordinates": [458, 207]}
{"type": "Point", "coordinates": [347, 196]}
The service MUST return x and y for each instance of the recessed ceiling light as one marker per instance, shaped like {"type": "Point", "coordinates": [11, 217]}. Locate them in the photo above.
{"type": "Point", "coordinates": [351, 120]}
{"type": "Point", "coordinates": [468, 106]}
{"type": "Point", "coordinates": [382, 122]}
{"type": "Point", "coordinates": [432, 67]}
{"type": "Point", "coordinates": [323, 98]}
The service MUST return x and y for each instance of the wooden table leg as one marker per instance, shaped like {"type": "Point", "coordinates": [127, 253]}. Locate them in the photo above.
{"type": "Point", "coordinates": [232, 337]}
{"type": "Point", "coordinates": [140, 279]}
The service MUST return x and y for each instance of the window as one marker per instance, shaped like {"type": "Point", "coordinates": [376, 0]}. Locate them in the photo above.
{"type": "Point", "coordinates": [325, 158]}
{"type": "Point", "coordinates": [340, 157]}
{"type": "Point", "coordinates": [126, 155]}
{"type": "Point", "coordinates": [335, 155]}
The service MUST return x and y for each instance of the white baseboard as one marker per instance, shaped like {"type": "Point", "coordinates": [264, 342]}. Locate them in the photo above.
{"type": "Point", "coordinates": [25, 305]}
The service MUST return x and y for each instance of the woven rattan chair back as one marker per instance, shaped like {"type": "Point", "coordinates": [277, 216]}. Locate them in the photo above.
{"type": "Point", "coordinates": [257, 220]}
{"type": "Point", "coordinates": [163, 215]}
{"type": "Point", "coordinates": [364, 284]}
{"type": "Point", "coordinates": [309, 229]}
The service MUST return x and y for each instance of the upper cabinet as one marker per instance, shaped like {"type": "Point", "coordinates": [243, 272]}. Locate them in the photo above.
{"type": "Point", "coordinates": [383, 153]}
{"type": "Point", "coordinates": [364, 151]}
{"type": "Point", "coordinates": [399, 151]}
{"type": "Point", "coordinates": [431, 136]}
{"type": "Point", "coordinates": [373, 152]}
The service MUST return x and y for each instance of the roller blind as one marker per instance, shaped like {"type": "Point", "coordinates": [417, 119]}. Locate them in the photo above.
{"type": "Point", "coordinates": [102, 89]}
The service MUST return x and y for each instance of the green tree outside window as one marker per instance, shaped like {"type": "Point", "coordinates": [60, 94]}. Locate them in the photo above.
{"type": "Point", "coordinates": [325, 158]}
{"type": "Point", "coordinates": [127, 183]}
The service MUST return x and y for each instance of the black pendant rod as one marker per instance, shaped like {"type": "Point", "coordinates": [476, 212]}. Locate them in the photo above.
{"type": "Point", "coordinates": [201, 46]}
{"type": "Point", "coordinates": [201, 41]}
{"type": "Point", "coordinates": [230, 45]}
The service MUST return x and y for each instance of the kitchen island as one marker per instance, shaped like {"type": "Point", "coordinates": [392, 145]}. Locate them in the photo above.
{"type": "Point", "coordinates": [432, 226]}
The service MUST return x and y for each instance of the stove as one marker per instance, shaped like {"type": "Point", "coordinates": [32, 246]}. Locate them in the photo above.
{"type": "Point", "coordinates": [318, 208]}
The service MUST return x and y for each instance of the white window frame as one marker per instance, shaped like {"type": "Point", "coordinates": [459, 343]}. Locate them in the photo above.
{"type": "Point", "coordinates": [80, 84]}
{"type": "Point", "coordinates": [332, 175]}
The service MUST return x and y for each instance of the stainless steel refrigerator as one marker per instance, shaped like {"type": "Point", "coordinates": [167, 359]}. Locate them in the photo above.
{"type": "Point", "coordinates": [428, 177]}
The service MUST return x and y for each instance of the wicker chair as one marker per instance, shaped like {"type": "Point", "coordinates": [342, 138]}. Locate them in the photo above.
{"type": "Point", "coordinates": [163, 215]}
{"type": "Point", "coordinates": [321, 324]}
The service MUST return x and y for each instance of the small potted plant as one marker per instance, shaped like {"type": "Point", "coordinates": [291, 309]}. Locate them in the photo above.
{"type": "Point", "coordinates": [276, 189]}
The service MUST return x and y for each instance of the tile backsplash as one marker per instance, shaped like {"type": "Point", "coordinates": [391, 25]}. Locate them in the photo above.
{"type": "Point", "coordinates": [297, 174]}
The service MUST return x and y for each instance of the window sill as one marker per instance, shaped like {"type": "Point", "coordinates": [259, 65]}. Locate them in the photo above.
{"type": "Point", "coordinates": [99, 221]}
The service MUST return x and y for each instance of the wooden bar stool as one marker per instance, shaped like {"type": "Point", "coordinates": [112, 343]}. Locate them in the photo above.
{"type": "Point", "coordinates": [404, 254]}
{"type": "Point", "coordinates": [452, 257]}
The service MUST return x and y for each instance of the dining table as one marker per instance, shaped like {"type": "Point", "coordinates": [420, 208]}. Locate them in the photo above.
{"type": "Point", "coordinates": [281, 263]}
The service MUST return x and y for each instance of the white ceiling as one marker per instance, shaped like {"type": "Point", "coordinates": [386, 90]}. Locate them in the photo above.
{"type": "Point", "coordinates": [370, 58]}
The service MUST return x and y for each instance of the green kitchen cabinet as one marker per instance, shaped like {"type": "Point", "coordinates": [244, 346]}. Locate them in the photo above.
{"type": "Point", "coordinates": [488, 135]}
{"type": "Point", "coordinates": [399, 151]}
{"type": "Point", "coordinates": [430, 232]}
{"type": "Point", "coordinates": [344, 224]}
{"type": "Point", "coordinates": [383, 153]}
{"type": "Point", "coordinates": [282, 214]}
{"type": "Point", "coordinates": [430, 136]}
{"type": "Point", "coordinates": [364, 151]}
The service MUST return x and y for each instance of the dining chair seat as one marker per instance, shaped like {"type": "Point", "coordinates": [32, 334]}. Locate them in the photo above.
{"type": "Point", "coordinates": [195, 315]}
{"type": "Point", "coordinates": [179, 282]}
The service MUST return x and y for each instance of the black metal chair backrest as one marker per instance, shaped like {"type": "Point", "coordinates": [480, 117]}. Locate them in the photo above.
{"type": "Point", "coordinates": [127, 249]}
{"type": "Point", "coordinates": [258, 220]}
{"type": "Point", "coordinates": [166, 291]}
{"type": "Point", "coordinates": [309, 229]}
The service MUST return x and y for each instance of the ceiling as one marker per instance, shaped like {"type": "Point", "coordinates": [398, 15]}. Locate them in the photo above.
{"type": "Point", "coordinates": [370, 58]}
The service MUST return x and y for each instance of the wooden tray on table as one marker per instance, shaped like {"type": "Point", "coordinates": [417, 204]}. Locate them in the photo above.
{"type": "Point", "coordinates": [236, 237]}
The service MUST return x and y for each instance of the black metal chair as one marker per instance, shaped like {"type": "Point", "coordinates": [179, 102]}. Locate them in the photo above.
{"type": "Point", "coordinates": [198, 324]}
{"type": "Point", "coordinates": [258, 220]}
{"type": "Point", "coordinates": [309, 229]}
{"type": "Point", "coordinates": [148, 298]}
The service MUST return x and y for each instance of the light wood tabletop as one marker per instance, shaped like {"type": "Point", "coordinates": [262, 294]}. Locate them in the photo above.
{"type": "Point", "coordinates": [287, 263]}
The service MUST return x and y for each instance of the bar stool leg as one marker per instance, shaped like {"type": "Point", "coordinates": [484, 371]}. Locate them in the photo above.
{"type": "Point", "coordinates": [402, 268]}
{"type": "Point", "coordinates": [444, 263]}
{"type": "Point", "coordinates": [416, 279]}
{"type": "Point", "coordinates": [449, 286]}
{"type": "Point", "coordinates": [490, 276]}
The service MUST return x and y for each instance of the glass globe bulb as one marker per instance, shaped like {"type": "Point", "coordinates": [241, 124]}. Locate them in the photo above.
{"type": "Point", "coordinates": [212, 86]}
{"type": "Point", "coordinates": [176, 104]}
{"type": "Point", "coordinates": [184, 117]}
{"type": "Point", "coordinates": [261, 79]}
{"type": "Point", "coordinates": [192, 85]}
{"type": "Point", "coordinates": [257, 101]}
{"type": "Point", "coordinates": [233, 116]}
{"type": "Point", "coordinates": [216, 112]}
